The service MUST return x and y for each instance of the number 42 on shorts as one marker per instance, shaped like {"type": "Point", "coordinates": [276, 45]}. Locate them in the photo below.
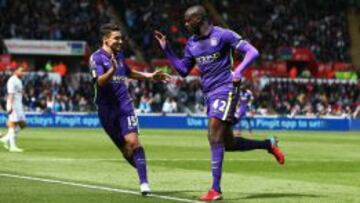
{"type": "Point", "coordinates": [219, 105]}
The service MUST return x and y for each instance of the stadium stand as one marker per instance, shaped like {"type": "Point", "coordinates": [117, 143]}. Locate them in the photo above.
{"type": "Point", "coordinates": [54, 20]}
{"type": "Point", "coordinates": [319, 26]}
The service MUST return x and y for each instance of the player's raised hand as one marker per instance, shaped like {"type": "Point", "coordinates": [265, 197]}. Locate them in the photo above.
{"type": "Point", "coordinates": [161, 38]}
{"type": "Point", "coordinates": [114, 62]}
{"type": "Point", "coordinates": [160, 76]}
{"type": "Point", "coordinates": [236, 81]}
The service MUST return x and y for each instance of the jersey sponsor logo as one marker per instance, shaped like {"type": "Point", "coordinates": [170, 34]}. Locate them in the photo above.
{"type": "Point", "coordinates": [208, 58]}
{"type": "Point", "coordinates": [117, 79]}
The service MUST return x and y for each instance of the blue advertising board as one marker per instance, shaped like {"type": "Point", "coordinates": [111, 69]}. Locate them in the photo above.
{"type": "Point", "coordinates": [190, 122]}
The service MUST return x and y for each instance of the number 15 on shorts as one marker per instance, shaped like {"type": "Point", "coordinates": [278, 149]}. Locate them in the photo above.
{"type": "Point", "coordinates": [132, 121]}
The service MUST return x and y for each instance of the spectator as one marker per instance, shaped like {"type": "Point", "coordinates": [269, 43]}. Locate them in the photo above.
{"type": "Point", "coordinates": [48, 66]}
{"type": "Point", "coordinates": [145, 104]}
{"type": "Point", "coordinates": [169, 105]}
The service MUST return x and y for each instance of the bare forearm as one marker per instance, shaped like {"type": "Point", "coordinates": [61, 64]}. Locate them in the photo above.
{"type": "Point", "coordinates": [104, 78]}
{"type": "Point", "coordinates": [139, 75]}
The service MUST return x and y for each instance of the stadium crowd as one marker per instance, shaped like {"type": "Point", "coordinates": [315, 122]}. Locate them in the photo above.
{"type": "Point", "coordinates": [320, 26]}
{"type": "Point", "coordinates": [309, 97]}
{"type": "Point", "coordinates": [46, 93]}
{"type": "Point", "coordinates": [53, 20]}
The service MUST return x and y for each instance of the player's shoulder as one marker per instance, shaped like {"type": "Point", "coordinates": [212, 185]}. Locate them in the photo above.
{"type": "Point", "coordinates": [12, 78]}
{"type": "Point", "coordinates": [96, 55]}
{"type": "Point", "coordinates": [219, 29]}
{"type": "Point", "coordinates": [225, 33]}
{"type": "Point", "coordinates": [11, 81]}
{"type": "Point", "coordinates": [222, 30]}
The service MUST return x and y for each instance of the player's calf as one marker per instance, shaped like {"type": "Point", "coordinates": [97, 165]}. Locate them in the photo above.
{"type": "Point", "coordinates": [4, 140]}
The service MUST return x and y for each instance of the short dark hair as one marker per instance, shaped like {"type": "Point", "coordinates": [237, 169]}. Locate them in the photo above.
{"type": "Point", "coordinates": [106, 29]}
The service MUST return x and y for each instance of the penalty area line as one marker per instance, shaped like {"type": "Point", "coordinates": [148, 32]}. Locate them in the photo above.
{"type": "Point", "coordinates": [94, 187]}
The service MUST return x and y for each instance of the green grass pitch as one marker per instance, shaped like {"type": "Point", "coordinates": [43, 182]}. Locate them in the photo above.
{"type": "Point", "coordinates": [82, 166]}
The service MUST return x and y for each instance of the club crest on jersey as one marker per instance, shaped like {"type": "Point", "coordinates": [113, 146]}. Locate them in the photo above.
{"type": "Point", "coordinates": [214, 42]}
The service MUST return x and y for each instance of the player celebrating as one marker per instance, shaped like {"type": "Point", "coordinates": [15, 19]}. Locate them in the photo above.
{"type": "Point", "coordinates": [14, 108]}
{"type": "Point", "coordinates": [210, 48]}
{"type": "Point", "coordinates": [244, 107]}
{"type": "Point", "coordinates": [115, 108]}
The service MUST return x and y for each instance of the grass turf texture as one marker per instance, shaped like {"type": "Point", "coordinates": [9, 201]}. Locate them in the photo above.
{"type": "Point", "coordinates": [320, 167]}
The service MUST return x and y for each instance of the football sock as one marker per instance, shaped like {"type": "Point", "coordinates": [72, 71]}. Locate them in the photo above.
{"type": "Point", "coordinates": [140, 163]}
{"type": "Point", "coordinates": [243, 144]}
{"type": "Point", "coordinates": [217, 156]}
{"type": "Point", "coordinates": [11, 136]}
{"type": "Point", "coordinates": [130, 160]}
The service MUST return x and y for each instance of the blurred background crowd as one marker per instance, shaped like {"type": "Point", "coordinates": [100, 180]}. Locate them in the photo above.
{"type": "Point", "coordinates": [318, 25]}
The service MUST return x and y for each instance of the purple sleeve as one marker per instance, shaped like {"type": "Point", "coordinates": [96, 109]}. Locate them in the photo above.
{"type": "Point", "coordinates": [236, 42]}
{"type": "Point", "coordinates": [233, 39]}
{"type": "Point", "coordinates": [251, 53]}
{"type": "Point", "coordinates": [182, 66]}
{"type": "Point", "coordinates": [96, 67]}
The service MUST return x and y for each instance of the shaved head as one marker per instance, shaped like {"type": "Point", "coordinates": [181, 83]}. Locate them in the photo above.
{"type": "Point", "coordinates": [195, 19]}
{"type": "Point", "coordinates": [196, 11]}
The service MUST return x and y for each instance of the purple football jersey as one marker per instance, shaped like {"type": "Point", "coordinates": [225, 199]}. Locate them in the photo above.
{"type": "Point", "coordinates": [212, 54]}
{"type": "Point", "coordinates": [115, 92]}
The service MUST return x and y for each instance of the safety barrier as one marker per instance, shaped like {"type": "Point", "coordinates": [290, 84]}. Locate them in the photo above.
{"type": "Point", "coordinates": [86, 120]}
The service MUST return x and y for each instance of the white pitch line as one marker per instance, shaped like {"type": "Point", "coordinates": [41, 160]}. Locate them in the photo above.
{"type": "Point", "coordinates": [167, 160]}
{"type": "Point", "coordinates": [95, 187]}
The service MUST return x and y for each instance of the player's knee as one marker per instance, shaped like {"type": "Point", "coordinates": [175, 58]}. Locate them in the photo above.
{"type": "Point", "coordinates": [215, 140]}
{"type": "Point", "coordinates": [215, 137]}
{"type": "Point", "coordinates": [132, 145]}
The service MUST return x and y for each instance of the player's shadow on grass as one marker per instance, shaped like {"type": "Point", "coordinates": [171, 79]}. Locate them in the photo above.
{"type": "Point", "coordinates": [279, 195]}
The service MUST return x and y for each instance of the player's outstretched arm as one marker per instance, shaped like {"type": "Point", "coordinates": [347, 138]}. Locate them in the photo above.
{"type": "Point", "coordinates": [157, 76]}
{"type": "Point", "coordinates": [251, 53]}
{"type": "Point", "coordinates": [182, 66]}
